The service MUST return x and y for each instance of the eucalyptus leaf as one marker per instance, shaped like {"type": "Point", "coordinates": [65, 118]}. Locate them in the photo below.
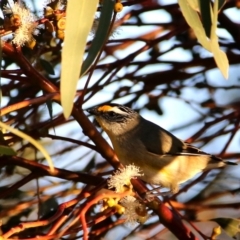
{"type": "Point", "coordinates": [193, 20]}
{"type": "Point", "coordinates": [230, 225]}
{"type": "Point", "coordinates": [5, 150]}
{"type": "Point", "coordinates": [80, 16]}
{"type": "Point", "coordinates": [221, 3]}
{"type": "Point", "coordinates": [205, 9]}
{"type": "Point", "coordinates": [194, 4]}
{"type": "Point", "coordinates": [219, 56]}
{"type": "Point", "coordinates": [101, 34]}
{"type": "Point", "coordinates": [47, 66]}
{"type": "Point", "coordinates": [208, 41]}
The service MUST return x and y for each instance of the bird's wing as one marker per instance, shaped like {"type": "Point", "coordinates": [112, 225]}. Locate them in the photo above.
{"type": "Point", "coordinates": [190, 150]}
{"type": "Point", "coordinates": [161, 143]}
{"type": "Point", "coordinates": [165, 143]}
{"type": "Point", "coordinates": [179, 148]}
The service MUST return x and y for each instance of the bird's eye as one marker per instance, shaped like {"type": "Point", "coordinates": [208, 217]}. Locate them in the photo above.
{"type": "Point", "coordinates": [112, 114]}
{"type": "Point", "coordinates": [114, 117]}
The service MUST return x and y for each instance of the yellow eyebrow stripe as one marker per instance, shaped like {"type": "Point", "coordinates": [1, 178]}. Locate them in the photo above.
{"type": "Point", "coordinates": [104, 108]}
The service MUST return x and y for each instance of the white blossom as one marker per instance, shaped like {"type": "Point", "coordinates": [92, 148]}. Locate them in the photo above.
{"type": "Point", "coordinates": [135, 212]}
{"type": "Point", "coordinates": [123, 176]}
{"type": "Point", "coordinates": [27, 24]}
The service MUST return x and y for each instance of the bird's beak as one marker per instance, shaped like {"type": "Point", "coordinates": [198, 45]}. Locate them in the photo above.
{"type": "Point", "coordinates": [93, 111]}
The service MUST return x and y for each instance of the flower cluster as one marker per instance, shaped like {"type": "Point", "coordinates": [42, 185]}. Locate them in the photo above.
{"type": "Point", "coordinates": [123, 176]}
{"type": "Point", "coordinates": [24, 22]}
{"type": "Point", "coordinates": [134, 211]}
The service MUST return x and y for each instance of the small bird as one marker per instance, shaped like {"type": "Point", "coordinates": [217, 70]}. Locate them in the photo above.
{"type": "Point", "coordinates": [164, 159]}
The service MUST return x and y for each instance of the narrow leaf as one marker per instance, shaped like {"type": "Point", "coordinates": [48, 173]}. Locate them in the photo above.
{"type": "Point", "coordinates": [80, 15]}
{"type": "Point", "coordinates": [205, 9]}
{"type": "Point", "coordinates": [211, 44]}
{"type": "Point", "coordinates": [194, 4]}
{"type": "Point", "coordinates": [31, 140]}
{"type": "Point", "coordinates": [193, 20]}
{"type": "Point", "coordinates": [230, 225]}
{"type": "Point", "coordinates": [101, 34]}
{"type": "Point", "coordinates": [50, 108]}
{"type": "Point", "coordinates": [5, 150]}
{"type": "Point", "coordinates": [219, 56]}
{"type": "Point", "coordinates": [47, 66]}
{"type": "Point", "coordinates": [221, 4]}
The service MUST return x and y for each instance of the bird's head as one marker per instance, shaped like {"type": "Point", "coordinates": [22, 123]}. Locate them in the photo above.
{"type": "Point", "coordinates": [115, 119]}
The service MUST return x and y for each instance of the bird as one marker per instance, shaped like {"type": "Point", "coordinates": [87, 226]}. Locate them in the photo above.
{"type": "Point", "coordinates": [164, 159]}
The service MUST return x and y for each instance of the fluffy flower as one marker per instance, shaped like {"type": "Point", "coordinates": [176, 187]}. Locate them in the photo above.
{"type": "Point", "coordinates": [27, 24]}
{"type": "Point", "coordinates": [130, 203]}
{"type": "Point", "coordinates": [123, 176]}
{"type": "Point", "coordinates": [134, 210]}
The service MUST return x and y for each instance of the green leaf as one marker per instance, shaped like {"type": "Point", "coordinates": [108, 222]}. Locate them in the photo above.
{"type": "Point", "coordinates": [221, 3]}
{"type": "Point", "coordinates": [193, 20]}
{"type": "Point", "coordinates": [49, 104]}
{"type": "Point", "coordinates": [189, 11]}
{"type": "Point", "coordinates": [101, 34]}
{"type": "Point", "coordinates": [80, 15]}
{"type": "Point", "coordinates": [5, 150]}
{"type": "Point", "coordinates": [31, 140]}
{"type": "Point", "coordinates": [219, 56]}
{"type": "Point", "coordinates": [194, 4]}
{"type": "Point", "coordinates": [47, 66]}
{"type": "Point", "coordinates": [205, 9]}
{"type": "Point", "coordinates": [50, 108]}
{"type": "Point", "coordinates": [48, 208]}
{"type": "Point", "coordinates": [230, 225]}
